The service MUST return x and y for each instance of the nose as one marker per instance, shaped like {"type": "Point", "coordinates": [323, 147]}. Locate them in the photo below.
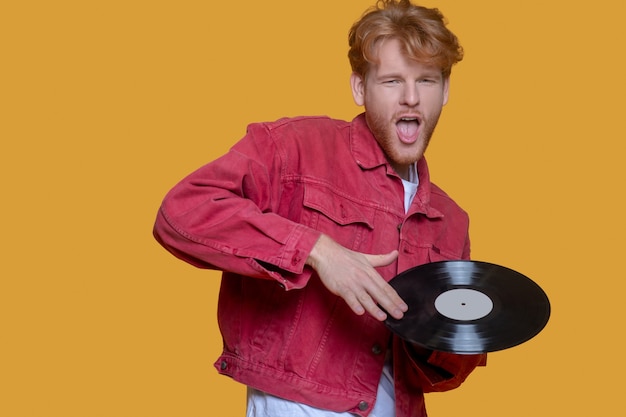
{"type": "Point", "coordinates": [411, 95]}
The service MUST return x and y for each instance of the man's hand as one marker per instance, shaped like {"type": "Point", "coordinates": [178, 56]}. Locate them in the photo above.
{"type": "Point", "coordinates": [351, 276]}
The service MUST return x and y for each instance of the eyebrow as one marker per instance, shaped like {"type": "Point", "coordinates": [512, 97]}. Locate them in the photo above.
{"type": "Point", "coordinates": [389, 75]}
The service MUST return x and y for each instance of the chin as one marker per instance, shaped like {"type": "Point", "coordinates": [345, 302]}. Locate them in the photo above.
{"type": "Point", "coordinates": [412, 155]}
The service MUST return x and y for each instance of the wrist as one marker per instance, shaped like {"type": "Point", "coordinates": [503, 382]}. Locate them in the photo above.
{"type": "Point", "coordinates": [313, 260]}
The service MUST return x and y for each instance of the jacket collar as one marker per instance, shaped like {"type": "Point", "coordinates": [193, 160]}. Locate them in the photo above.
{"type": "Point", "coordinates": [368, 155]}
{"type": "Point", "coordinates": [364, 147]}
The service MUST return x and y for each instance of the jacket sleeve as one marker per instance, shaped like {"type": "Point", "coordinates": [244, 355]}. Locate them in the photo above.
{"type": "Point", "coordinates": [225, 216]}
{"type": "Point", "coordinates": [436, 371]}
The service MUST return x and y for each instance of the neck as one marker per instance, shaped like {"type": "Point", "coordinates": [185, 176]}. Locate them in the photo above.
{"type": "Point", "coordinates": [404, 171]}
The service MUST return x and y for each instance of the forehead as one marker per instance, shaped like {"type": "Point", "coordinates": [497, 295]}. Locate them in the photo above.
{"type": "Point", "coordinates": [390, 57]}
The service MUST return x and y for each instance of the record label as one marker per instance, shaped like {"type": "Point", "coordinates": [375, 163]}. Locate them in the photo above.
{"type": "Point", "coordinates": [463, 304]}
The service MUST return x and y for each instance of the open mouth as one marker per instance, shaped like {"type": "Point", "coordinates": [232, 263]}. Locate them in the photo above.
{"type": "Point", "coordinates": [408, 129]}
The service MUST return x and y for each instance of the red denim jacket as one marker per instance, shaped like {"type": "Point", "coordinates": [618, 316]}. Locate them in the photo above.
{"type": "Point", "coordinates": [256, 213]}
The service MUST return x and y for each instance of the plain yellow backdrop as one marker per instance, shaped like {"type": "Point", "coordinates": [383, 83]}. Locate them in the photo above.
{"type": "Point", "coordinates": [105, 105]}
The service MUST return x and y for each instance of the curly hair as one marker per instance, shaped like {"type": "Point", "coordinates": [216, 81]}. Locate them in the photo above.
{"type": "Point", "coordinates": [421, 31]}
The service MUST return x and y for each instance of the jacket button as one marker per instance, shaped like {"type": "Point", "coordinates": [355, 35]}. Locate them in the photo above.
{"type": "Point", "coordinates": [296, 258]}
{"type": "Point", "coordinates": [376, 349]}
{"type": "Point", "coordinates": [223, 365]}
{"type": "Point", "coordinates": [363, 405]}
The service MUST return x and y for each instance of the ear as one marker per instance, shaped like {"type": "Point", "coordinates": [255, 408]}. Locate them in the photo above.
{"type": "Point", "coordinates": [358, 89]}
{"type": "Point", "coordinates": [446, 90]}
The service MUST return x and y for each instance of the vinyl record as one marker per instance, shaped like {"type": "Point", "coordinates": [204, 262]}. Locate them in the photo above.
{"type": "Point", "coordinates": [468, 307]}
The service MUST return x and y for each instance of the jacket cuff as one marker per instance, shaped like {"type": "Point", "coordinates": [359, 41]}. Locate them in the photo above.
{"type": "Point", "coordinates": [293, 273]}
{"type": "Point", "coordinates": [441, 370]}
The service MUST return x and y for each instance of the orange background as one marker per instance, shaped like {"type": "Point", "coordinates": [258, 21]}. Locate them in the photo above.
{"type": "Point", "coordinates": [105, 105]}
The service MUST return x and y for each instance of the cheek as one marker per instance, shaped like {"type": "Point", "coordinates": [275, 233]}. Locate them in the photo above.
{"type": "Point", "coordinates": [379, 104]}
{"type": "Point", "coordinates": [436, 100]}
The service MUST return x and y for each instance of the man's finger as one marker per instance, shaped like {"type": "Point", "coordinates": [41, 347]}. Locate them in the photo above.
{"type": "Point", "coordinates": [382, 259]}
{"type": "Point", "coordinates": [372, 308]}
{"type": "Point", "coordinates": [354, 304]}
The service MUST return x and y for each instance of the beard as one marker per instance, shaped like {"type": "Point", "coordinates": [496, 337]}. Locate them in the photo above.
{"type": "Point", "coordinates": [400, 154]}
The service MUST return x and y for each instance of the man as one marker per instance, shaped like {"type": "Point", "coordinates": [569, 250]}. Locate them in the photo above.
{"type": "Point", "coordinates": [310, 217]}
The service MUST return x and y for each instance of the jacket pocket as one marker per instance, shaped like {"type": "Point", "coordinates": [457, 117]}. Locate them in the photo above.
{"type": "Point", "coordinates": [436, 254]}
{"type": "Point", "coordinates": [337, 214]}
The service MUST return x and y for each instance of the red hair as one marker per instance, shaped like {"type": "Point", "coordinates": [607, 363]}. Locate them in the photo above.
{"type": "Point", "coordinates": [421, 31]}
